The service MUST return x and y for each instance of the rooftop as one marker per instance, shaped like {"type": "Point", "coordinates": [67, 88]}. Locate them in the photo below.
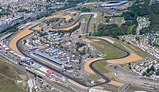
{"type": "Point", "coordinates": [5, 36]}
{"type": "Point", "coordinates": [50, 58]}
{"type": "Point", "coordinates": [113, 3]}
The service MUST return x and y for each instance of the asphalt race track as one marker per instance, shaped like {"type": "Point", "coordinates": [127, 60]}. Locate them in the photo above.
{"type": "Point", "coordinates": [107, 79]}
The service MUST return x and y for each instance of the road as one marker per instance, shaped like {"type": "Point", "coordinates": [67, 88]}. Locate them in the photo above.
{"type": "Point", "coordinates": [124, 87]}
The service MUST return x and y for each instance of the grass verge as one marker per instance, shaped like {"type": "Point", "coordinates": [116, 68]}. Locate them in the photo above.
{"type": "Point", "coordinates": [100, 65]}
{"type": "Point", "coordinates": [92, 76]}
{"type": "Point", "coordinates": [132, 87]}
{"type": "Point", "coordinates": [8, 78]}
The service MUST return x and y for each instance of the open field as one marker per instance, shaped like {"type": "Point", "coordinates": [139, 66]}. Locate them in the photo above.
{"type": "Point", "coordinates": [101, 66]}
{"type": "Point", "coordinates": [9, 85]}
{"type": "Point", "coordinates": [131, 58]}
{"type": "Point", "coordinates": [13, 42]}
{"type": "Point", "coordinates": [131, 28]}
{"type": "Point", "coordinates": [92, 76]}
{"type": "Point", "coordinates": [132, 87]}
{"type": "Point", "coordinates": [117, 54]}
{"type": "Point", "coordinates": [116, 20]}
{"type": "Point", "coordinates": [135, 49]}
{"type": "Point", "coordinates": [103, 46]}
{"type": "Point", "coordinates": [140, 52]}
{"type": "Point", "coordinates": [120, 46]}
{"type": "Point", "coordinates": [110, 75]}
{"type": "Point", "coordinates": [107, 49]}
{"type": "Point", "coordinates": [8, 78]}
{"type": "Point", "coordinates": [107, 39]}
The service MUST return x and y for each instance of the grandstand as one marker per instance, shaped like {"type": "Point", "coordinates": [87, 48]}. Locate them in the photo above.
{"type": "Point", "coordinates": [113, 3]}
{"type": "Point", "coordinates": [57, 61]}
{"type": "Point", "coordinates": [6, 36]}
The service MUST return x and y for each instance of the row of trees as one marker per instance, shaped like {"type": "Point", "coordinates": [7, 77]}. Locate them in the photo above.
{"type": "Point", "coordinates": [52, 20]}
{"type": "Point", "coordinates": [84, 9]}
{"type": "Point", "coordinates": [150, 70]}
{"type": "Point", "coordinates": [78, 45]}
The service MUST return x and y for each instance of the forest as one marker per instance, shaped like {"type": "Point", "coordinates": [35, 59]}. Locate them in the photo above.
{"type": "Point", "coordinates": [139, 8]}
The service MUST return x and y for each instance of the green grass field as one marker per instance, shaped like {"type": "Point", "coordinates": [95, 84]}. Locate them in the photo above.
{"type": "Point", "coordinates": [103, 46]}
{"type": "Point", "coordinates": [115, 55]}
{"type": "Point", "coordinates": [107, 49]}
{"type": "Point", "coordinates": [130, 28]}
{"type": "Point", "coordinates": [92, 76]}
{"type": "Point", "coordinates": [84, 18]}
{"type": "Point", "coordinates": [132, 87]}
{"type": "Point", "coordinates": [116, 20]}
{"type": "Point", "coordinates": [120, 46]}
{"type": "Point", "coordinates": [100, 65]}
{"type": "Point", "coordinates": [7, 84]}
